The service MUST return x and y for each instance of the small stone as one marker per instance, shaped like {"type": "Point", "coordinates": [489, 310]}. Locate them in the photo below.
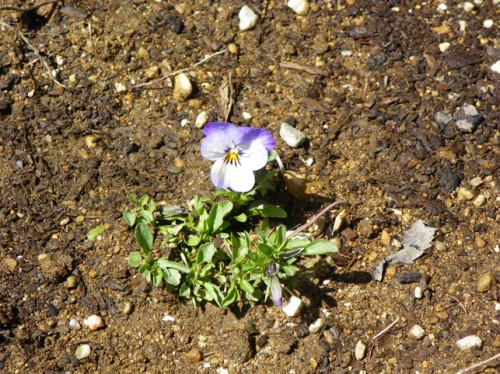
{"type": "Point", "coordinates": [441, 8]}
{"type": "Point", "coordinates": [182, 87]}
{"type": "Point", "coordinates": [293, 137]}
{"type": "Point", "coordinates": [468, 118]}
{"type": "Point", "coordinates": [246, 116]}
{"type": "Point", "coordinates": [120, 87]}
{"type": "Point", "coordinates": [416, 332]}
{"type": "Point", "coordinates": [193, 355]}
{"type": "Point", "coordinates": [93, 322]}
{"type": "Point", "coordinates": [152, 72]}
{"type": "Point", "coordinates": [143, 53]}
{"type": "Point", "coordinates": [233, 48]}
{"type": "Point", "coordinates": [469, 342]}
{"type": "Point", "coordinates": [129, 308]}
{"type": "Point", "coordinates": [360, 350]}
{"type": "Point", "coordinates": [201, 119]}
{"type": "Point", "coordinates": [443, 47]}
{"type": "Point", "coordinates": [443, 118]}
{"type": "Point", "coordinates": [476, 182]}
{"type": "Point", "coordinates": [74, 324]}
{"type": "Point", "coordinates": [316, 326]}
{"type": "Point", "coordinates": [294, 307]}
{"type": "Point", "coordinates": [83, 351]}
{"type": "Point", "coordinates": [484, 282]}
{"type": "Point", "coordinates": [488, 23]}
{"type": "Point", "coordinates": [418, 292]}
{"type": "Point", "coordinates": [480, 242]}
{"type": "Point", "coordinates": [464, 194]}
{"type": "Point", "coordinates": [10, 264]}
{"type": "Point", "coordinates": [71, 282]}
{"type": "Point", "coordinates": [296, 184]}
{"type": "Point", "coordinates": [468, 6]}
{"type": "Point", "coordinates": [496, 67]}
{"type": "Point", "coordinates": [301, 7]}
{"type": "Point", "coordinates": [247, 18]}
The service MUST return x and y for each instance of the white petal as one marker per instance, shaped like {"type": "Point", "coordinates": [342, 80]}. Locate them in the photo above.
{"type": "Point", "coordinates": [214, 148]}
{"type": "Point", "coordinates": [255, 157]}
{"type": "Point", "coordinates": [231, 176]}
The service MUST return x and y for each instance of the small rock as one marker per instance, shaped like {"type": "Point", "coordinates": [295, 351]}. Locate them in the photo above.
{"type": "Point", "coordinates": [74, 324]}
{"type": "Point", "coordinates": [83, 351]}
{"type": "Point", "coordinates": [410, 277]}
{"type": "Point", "coordinates": [293, 137]}
{"type": "Point", "coordinates": [480, 200]}
{"type": "Point", "coordinates": [129, 308]}
{"type": "Point", "coordinates": [294, 307]}
{"type": "Point", "coordinates": [366, 228]}
{"type": "Point", "coordinates": [488, 23]}
{"type": "Point", "coordinates": [443, 47]}
{"type": "Point", "coordinates": [93, 322]}
{"type": "Point", "coordinates": [496, 67]}
{"type": "Point", "coordinates": [301, 7]}
{"type": "Point", "coordinates": [468, 118]}
{"type": "Point", "coordinates": [182, 87]}
{"type": "Point", "coordinates": [247, 18]}
{"type": "Point", "coordinates": [193, 355]}
{"type": "Point", "coordinates": [316, 326]}
{"type": "Point", "coordinates": [71, 282]}
{"type": "Point", "coordinates": [464, 194]}
{"type": "Point", "coordinates": [55, 266]}
{"type": "Point", "coordinates": [468, 6]}
{"type": "Point", "coordinates": [143, 53]}
{"type": "Point", "coordinates": [416, 332]}
{"type": "Point", "coordinates": [469, 342]}
{"type": "Point", "coordinates": [10, 264]}
{"type": "Point", "coordinates": [484, 282]}
{"type": "Point", "coordinates": [476, 182]}
{"type": "Point", "coordinates": [360, 350]}
{"type": "Point", "coordinates": [152, 72]}
{"type": "Point", "coordinates": [201, 119]}
{"type": "Point", "coordinates": [480, 242]}
{"type": "Point", "coordinates": [296, 184]}
{"type": "Point", "coordinates": [418, 292]}
{"type": "Point", "coordinates": [442, 8]}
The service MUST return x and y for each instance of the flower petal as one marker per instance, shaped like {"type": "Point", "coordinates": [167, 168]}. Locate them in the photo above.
{"type": "Point", "coordinates": [235, 177]}
{"type": "Point", "coordinates": [262, 136]}
{"type": "Point", "coordinates": [254, 157]}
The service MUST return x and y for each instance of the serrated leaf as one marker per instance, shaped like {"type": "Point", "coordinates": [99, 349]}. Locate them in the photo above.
{"type": "Point", "coordinates": [172, 276]}
{"type": "Point", "coordinates": [94, 232]}
{"type": "Point", "coordinates": [144, 238]}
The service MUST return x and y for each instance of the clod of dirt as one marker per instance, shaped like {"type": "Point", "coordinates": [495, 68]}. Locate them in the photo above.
{"type": "Point", "coordinates": [55, 267]}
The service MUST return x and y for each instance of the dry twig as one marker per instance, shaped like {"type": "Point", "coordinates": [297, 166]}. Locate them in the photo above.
{"type": "Point", "coordinates": [202, 61]}
{"type": "Point", "coordinates": [487, 361]}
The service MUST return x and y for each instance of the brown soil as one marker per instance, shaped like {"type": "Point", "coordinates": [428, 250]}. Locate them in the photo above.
{"type": "Point", "coordinates": [69, 155]}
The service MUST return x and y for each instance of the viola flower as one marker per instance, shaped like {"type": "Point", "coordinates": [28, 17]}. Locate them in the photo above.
{"type": "Point", "coordinates": [274, 283]}
{"type": "Point", "coordinates": [237, 152]}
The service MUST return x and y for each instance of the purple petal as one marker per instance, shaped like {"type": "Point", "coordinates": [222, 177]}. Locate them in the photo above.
{"type": "Point", "coordinates": [262, 136]}
{"type": "Point", "coordinates": [254, 157]}
{"type": "Point", "coordinates": [235, 177]}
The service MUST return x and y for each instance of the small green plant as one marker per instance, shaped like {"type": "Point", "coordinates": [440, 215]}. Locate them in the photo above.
{"type": "Point", "coordinates": [226, 250]}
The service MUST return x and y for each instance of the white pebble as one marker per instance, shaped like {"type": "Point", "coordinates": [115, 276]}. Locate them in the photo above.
{"type": "Point", "coordinates": [360, 350]}
{"type": "Point", "coordinates": [469, 342]}
{"type": "Point", "coordinates": [182, 87]}
{"type": "Point", "coordinates": [201, 119]}
{"type": "Point", "coordinates": [246, 116]}
{"type": "Point", "coordinates": [168, 318]}
{"type": "Point", "coordinates": [184, 122]}
{"type": "Point", "coordinates": [74, 325]}
{"type": "Point", "coordinates": [443, 47]}
{"type": "Point", "coordinates": [93, 322]}
{"type": "Point", "coordinates": [293, 137]}
{"type": "Point", "coordinates": [248, 18]}
{"type": "Point", "coordinates": [418, 292]}
{"type": "Point", "coordinates": [416, 332]}
{"type": "Point", "coordinates": [301, 7]}
{"type": "Point", "coordinates": [83, 351]}
{"type": "Point", "coordinates": [442, 8]}
{"type": "Point", "coordinates": [496, 67]}
{"type": "Point", "coordinates": [346, 53]}
{"type": "Point", "coordinates": [488, 23]}
{"type": "Point", "coordinates": [316, 326]}
{"type": "Point", "coordinates": [468, 6]}
{"type": "Point", "coordinates": [120, 87]}
{"type": "Point", "coordinates": [294, 307]}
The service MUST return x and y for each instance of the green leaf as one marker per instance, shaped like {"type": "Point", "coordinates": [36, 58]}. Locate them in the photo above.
{"type": "Point", "coordinates": [267, 210]}
{"type": "Point", "coordinates": [230, 298]}
{"type": "Point", "coordinates": [297, 243]}
{"type": "Point", "coordinates": [172, 276]}
{"type": "Point", "coordinates": [144, 238]}
{"type": "Point", "coordinates": [94, 232]}
{"type": "Point", "coordinates": [185, 291]}
{"type": "Point", "coordinates": [166, 265]}
{"type": "Point", "coordinates": [148, 216]}
{"type": "Point", "coordinates": [143, 201]}
{"type": "Point", "coordinates": [129, 218]}
{"type": "Point", "coordinates": [157, 277]}
{"type": "Point", "coordinates": [289, 270]}
{"type": "Point", "coordinates": [246, 286]}
{"type": "Point", "coordinates": [135, 259]}
{"type": "Point", "coordinates": [173, 230]}
{"type": "Point", "coordinates": [214, 292]}
{"type": "Point", "coordinates": [320, 247]}
{"type": "Point", "coordinates": [217, 214]}
{"type": "Point", "coordinates": [205, 253]}
{"type": "Point", "coordinates": [205, 269]}
{"type": "Point", "coordinates": [241, 217]}
{"type": "Point", "coordinates": [193, 240]}
{"type": "Point", "coordinates": [264, 248]}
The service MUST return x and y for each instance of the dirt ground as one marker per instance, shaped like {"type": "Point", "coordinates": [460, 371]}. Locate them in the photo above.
{"type": "Point", "coordinates": [399, 104]}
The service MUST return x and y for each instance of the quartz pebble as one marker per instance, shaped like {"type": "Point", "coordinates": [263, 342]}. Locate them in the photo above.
{"type": "Point", "coordinates": [468, 6]}
{"type": "Point", "coordinates": [93, 322]}
{"type": "Point", "coordinates": [247, 18]}
{"type": "Point", "coordinates": [496, 67]}
{"type": "Point", "coordinates": [316, 326]}
{"type": "Point", "coordinates": [416, 332]}
{"type": "Point", "coordinates": [83, 351]}
{"type": "Point", "coordinates": [418, 292]}
{"type": "Point", "coordinates": [469, 342]}
{"type": "Point", "coordinates": [294, 307]}
{"type": "Point", "coordinates": [201, 119]}
{"type": "Point", "coordinates": [182, 87]}
{"type": "Point", "coordinates": [293, 137]}
{"type": "Point", "coordinates": [484, 282]}
{"type": "Point", "coordinates": [488, 23]}
{"type": "Point", "coordinates": [441, 8]}
{"type": "Point", "coordinates": [480, 200]}
{"type": "Point", "coordinates": [360, 350]}
{"type": "Point", "coordinates": [74, 325]}
{"type": "Point", "coordinates": [301, 7]}
{"type": "Point", "coordinates": [468, 118]}
{"type": "Point", "coordinates": [443, 47]}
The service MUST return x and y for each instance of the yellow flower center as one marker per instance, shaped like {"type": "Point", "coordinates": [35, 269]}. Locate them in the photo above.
{"type": "Point", "coordinates": [232, 157]}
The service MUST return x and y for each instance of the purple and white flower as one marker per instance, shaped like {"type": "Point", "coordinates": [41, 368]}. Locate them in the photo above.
{"type": "Point", "coordinates": [237, 152]}
{"type": "Point", "coordinates": [274, 282]}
